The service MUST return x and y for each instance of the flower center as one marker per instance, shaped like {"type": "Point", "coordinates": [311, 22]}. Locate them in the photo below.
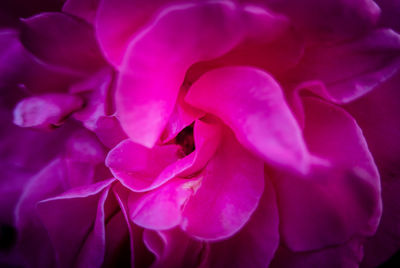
{"type": "Point", "coordinates": [186, 140]}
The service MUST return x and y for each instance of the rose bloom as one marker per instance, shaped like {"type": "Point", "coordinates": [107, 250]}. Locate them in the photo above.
{"type": "Point", "coordinates": [214, 133]}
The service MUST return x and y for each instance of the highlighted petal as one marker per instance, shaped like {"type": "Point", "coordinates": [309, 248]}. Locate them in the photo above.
{"type": "Point", "coordinates": [252, 104]}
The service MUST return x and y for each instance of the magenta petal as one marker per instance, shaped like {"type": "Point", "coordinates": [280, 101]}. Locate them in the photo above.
{"type": "Point", "coordinates": [85, 9]}
{"type": "Point", "coordinates": [161, 208]}
{"type": "Point", "coordinates": [67, 42]}
{"type": "Point", "coordinates": [73, 240]}
{"type": "Point", "coordinates": [346, 255]}
{"type": "Point", "coordinates": [45, 111]}
{"type": "Point", "coordinates": [144, 104]}
{"type": "Point", "coordinates": [136, 166]}
{"type": "Point", "coordinates": [336, 202]}
{"type": "Point", "coordinates": [173, 248]}
{"type": "Point", "coordinates": [263, 123]}
{"type": "Point", "coordinates": [390, 13]}
{"type": "Point", "coordinates": [231, 186]}
{"type": "Point", "coordinates": [255, 245]}
{"type": "Point", "coordinates": [352, 69]}
{"type": "Point", "coordinates": [109, 131]}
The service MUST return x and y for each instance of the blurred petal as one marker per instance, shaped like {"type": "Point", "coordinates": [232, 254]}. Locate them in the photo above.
{"type": "Point", "coordinates": [84, 9]}
{"type": "Point", "coordinates": [227, 197]}
{"type": "Point", "coordinates": [390, 13]}
{"type": "Point", "coordinates": [351, 69]}
{"type": "Point", "coordinates": [336, 202]}
{"type": "Point", "coordinates": [45, 111]}
{"type": "Point", "coordinates": [263, 123]}
{"type": "Point", "coordinates": [79, 242]}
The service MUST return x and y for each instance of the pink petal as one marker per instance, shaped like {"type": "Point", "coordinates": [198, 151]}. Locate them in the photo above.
{"type": "Point", "coordinates": [45, 111]}
{"type": "Point", "coordinates": [346, 255]}
{"type": "Point", "coordinates": [161, 209]}
{"type": "Point", "coordinates": [128, 163]}
{"type": "Point", "coordinates": [336, 202]}
{"type": "Point", "coordinates": [227, 197]}
{"type": "Point", "coordinates": [263, 123]}
{"type": "Point", "coordinates": [144, 104]}
{"type": "Point", "coordinates": [255, 245]}
{"type": "Point", "coordinates": [84, 9]}
{"type": "Point", "coordinates": [109, 131]}
{"type": "Point", "coordinates": [173, 248]}
{"type": "Point", "coordinates": [351, 69]}
{"type": "Point", "coordinates": [73, 240]}
{"type": "Point", "coordinates": [390, 13]}
{"type": "Point", "coordinates": [66, 41]}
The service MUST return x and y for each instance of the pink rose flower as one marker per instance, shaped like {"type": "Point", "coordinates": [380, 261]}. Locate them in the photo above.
{"type": "Point", "coordinates": [216, 133]}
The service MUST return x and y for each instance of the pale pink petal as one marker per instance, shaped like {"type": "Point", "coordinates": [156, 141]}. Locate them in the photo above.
{"type": "Point", "coordinates": [252, 104]}
{"type": "Point", "coordinates": [336, 202]}
{"type": "Point", "coordinates": [66, 42]}
{"type": "Point", "coordinates": [255, 245]}
{"type": "Point", "coordinates": [351, 69]}
{"type": "Point", "coordinates": [161, 209]}
{"type": "Point", "coordinates": [84, 9]}
{"type": "Point", "coordinates": [231, 186]}
{"type": "Point", "coordinates": [79, 242]}
{"type": "Point", "coordinates": [45, 111]}
{"type": "Point", "coordinates": [157, 58]}
{"type": "Point", "coordinates": [347, 255]}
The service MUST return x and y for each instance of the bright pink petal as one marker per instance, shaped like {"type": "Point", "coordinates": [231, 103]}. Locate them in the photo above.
{"type": "Point", "coordinates": [351, 69]}
{"type": "Point", "coordinates": [255, 245]}
{"type": "Point", "coordinates": [263, 123]}
{"type": "Point", "coordinates": [128, 161]}
{"type": "Point", "coordinates": [161, 209]}
{"type": "Point", "coordinates": [67, 42]}
{"type": "Point", "coordinates": [336, 202]}
{"type": "Point", "coordinates": [80, 242]}
{"type": "Point", "coordinates": [144, 104]}
{"type": "Point", "coordinates": [231, 186]}
{"type": "Point", "coordinates": [346, 255]}
{"type": "Point", "coordinates": [45, 111]}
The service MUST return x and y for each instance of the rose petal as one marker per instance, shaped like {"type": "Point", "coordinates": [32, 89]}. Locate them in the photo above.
{"type": "Point", "coordinates": [255, 245]}
{"type": "Point", "coordinates": [333, 203]}
{"type": "Point", "coordinates": [351, 69]}
{"type": "Point", "coordinates": [144, 104]}
{"type": "Point", "coordinates": [45, 111]}
{"type": "Point", "coordinates": [73, 239]}
{"type": "Point", "coordinates": [109, 131]}
{"type": "Point", "coordinates": [390, 13]}
{"type": "Point", "coordinates": [227, 197]}
{"type": "Point", "coordinates": [164, 163]}
{"type": "Point", "coordinates": [84, 9]}
{"type": "Point", "coordinates": [346, 255]}
{"type": "Point", "coordinates": [263, 123]}
{"type": "Point", "coordinates": [66, 42]}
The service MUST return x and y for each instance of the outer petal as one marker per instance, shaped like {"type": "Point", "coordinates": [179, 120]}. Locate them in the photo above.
{"type": "Point", "coordinates": [232, 184]}
{"type": "Point", "coordinates": [333, 203]}
{"type": "Point", "coordinates": [263, 123]}
{"type": "Point", "coordinates": [86, 206]}
{"type": "Point", "coordinates": [85, 9]}
{"type": "Point", "coordinates": [45, 111]}
{"type": "Point", "coordinates": [255, 245]}
{"type": "Point", "coordinates": [144, 104]}
{"type": "Point", "coordinates": [66, 42]}
{"type": "Point", "coordinates": [351, 69]}
{"type": "Point", "coordinates": [173, 248]}
{"type": "Point", "coordinates": [347, 255]}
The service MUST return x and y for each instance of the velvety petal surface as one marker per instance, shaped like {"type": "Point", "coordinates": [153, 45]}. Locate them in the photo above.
{"type": "Point", "coordinates": [73, 241]}
{"type": "Point", "coordinates": [231, 187]}
{"type": "Point", "coordinates": [211, 28]}
{"type": "Point", "coordinates": [85, 9]}
{"type": "Point", "coordinates": [335, 202]}
{"type": "Point", "coordinates": [255, 245]}
{"type": "Point", "coordinates": [351, 69]}
{"type": "Point", "coordinates": [252, 104]}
